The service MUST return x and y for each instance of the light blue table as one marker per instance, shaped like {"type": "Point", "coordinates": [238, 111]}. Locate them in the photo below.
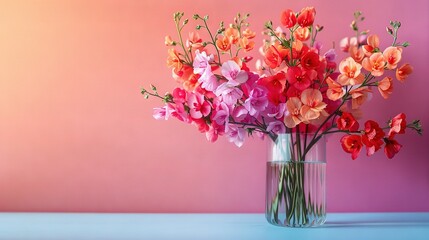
{"type": "Point", "coordinates": [59, 226]}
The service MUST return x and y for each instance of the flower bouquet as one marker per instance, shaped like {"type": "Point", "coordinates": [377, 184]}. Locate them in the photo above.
{"type": "Point", "coordinates": [295, 95]}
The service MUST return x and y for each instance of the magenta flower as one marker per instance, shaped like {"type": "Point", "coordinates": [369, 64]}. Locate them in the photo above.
{"type": "Point", "coordinates": [198, 107]}
{"type": "Point", "coordinates": [276, 111]}
{"type": "Point", "coordinates": [240, 113]}
{"type": "Point", "coordinates": [257, 101]}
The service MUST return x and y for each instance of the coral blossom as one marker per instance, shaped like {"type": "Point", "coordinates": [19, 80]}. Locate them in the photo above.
{"type": "Point", "coordinates": [373, 44]}
{"type": "Point", "coordinates": [392, 55]}
{"type": "Point", "coordinates": [293, 106]}
{"type": "Point", "coordinates": [385, 87]}
{"type": "Point", "coordinates": [350, 72]}
{"type": "Point", "coordinates": [335, 90]}
{"type": "Point", "coordinates": [374, 64]}
{"type": "Point", "coordinates": [313, 104]}
{"type": "Point", "coordinates": [403, 72]}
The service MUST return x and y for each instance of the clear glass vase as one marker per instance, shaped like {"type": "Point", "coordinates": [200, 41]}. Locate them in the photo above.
{"type": "Point", "coordinates": [296, 186]}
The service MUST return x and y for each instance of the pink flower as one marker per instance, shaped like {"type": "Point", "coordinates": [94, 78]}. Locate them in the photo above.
{"type": "Point", "coordinates": [236, 135]}
{"type": "Point", "coordinates": [276, 127]}
{"type": "Point", "coordinates": [178, 111]}
{"type": "Point", "coordinates": [221, 114]}
{"type": "Point", "coordinates": [214, 132]}
{"type": "Point", "coordinates": [229, 94]}
{"type": "Point", "coordinates": [257, 101]}
{"type": "Point", "coordinates": [179, 95]}
{"type": "Point", "coordinates": [202, 66]}
{"type": "Point", "coordinates": [198, 107]}
{"type": "Point", "coordinates": [201, 62]}
{"type": "Point", "coordinates": [232, 72]}
{"type": "Point", "coordinates": [161, 113]}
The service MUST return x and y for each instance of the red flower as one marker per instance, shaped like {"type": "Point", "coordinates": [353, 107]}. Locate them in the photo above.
{"type": "Point", "coordinates": [352, 144]}
{"type": "Point", "coordinates": [392, 147]}
{"type": "Point", "coordinates": [373, 137]}
{"type": "Point", "coordinates": [397, 125]}
{"type": "Point", "coordinates": [310, 60]}
{"type": "Point", "coordinates": [288, 18]}
{"type": "Point", "coordinates": [306, 16]}
{"type": "Point", "coordinates": [300, 78]}
{"type": "Point", "coordinates": [347, 122]}
{"type": "Point", "coordinates": [275, 85]}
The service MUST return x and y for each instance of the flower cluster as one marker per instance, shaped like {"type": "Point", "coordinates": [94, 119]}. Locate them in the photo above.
{"type": "Point", "coordinates": [295, 87]}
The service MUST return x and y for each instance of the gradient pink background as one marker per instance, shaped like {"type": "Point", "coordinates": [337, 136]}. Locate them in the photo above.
{"type": "Point", "coordinates": [76, 135]}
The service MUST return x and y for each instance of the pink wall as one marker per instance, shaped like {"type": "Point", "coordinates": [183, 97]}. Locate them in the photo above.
{"type": "Point", "coordinates": [76, 135]}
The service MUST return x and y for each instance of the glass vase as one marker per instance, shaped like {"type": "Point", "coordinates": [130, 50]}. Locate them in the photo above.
{"type": "Point", "coordinates": [296, 186]}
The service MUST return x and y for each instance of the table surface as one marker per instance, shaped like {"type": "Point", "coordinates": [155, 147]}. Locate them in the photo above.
{"type": "Point", "coordinates": [104, 226]}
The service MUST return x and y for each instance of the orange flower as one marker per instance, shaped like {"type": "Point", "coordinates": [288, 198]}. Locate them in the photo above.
{"type": "Point", "coordinates": [246, 44]}
{"type": "Point", "coordinates": [173, 60]}
{"type": "Point", "coordinates": [248, 33]}
{"type": "Point", "coordinates": [186, 77]}
{"type": "Point", "coordinates": [359, 96]}
{"type": "Point", "coordinates": [313, 104]}
{"type": "Point", "coordinates": [194, 41]}
{"type": "Point", "coordinates": [232, 34]}
{"type": "Point", "coordinates": [385, 87]}
{"type": "Point", "coordinates": [356, 53]}
{"type": "Point", "coordinates": [293, 105]}
{"type": "Point", "coordinates": [274, 56]}
{"type": "Point", "coordinates": [223, 43]}
{"type": "Point", "coordinates": [350, 72]}
{"type": "Point", "coordinates": [374, 64]}
{"type": "Point", "coordinates": [302, 34]}
{"type": "Point", "coordinates": [392, 56]}
{"type": "Point", "coordinates": [306, 16]}
{"type": "Point", "coordinates": [403, 72]}
{"type": "Point", "coordinates": [373, 44]}
{"type": "Point", "coordinates": [335, 90]}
